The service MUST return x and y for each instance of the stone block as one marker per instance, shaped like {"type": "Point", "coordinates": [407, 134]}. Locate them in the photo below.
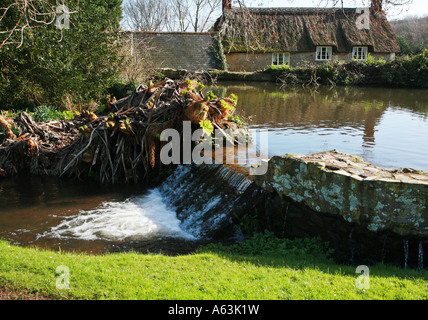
{"type": "Point", "coordinates": [377, 199]}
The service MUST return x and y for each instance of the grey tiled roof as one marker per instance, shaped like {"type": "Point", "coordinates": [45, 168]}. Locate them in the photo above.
{"type": "Point", "coordinates": [179, 50]}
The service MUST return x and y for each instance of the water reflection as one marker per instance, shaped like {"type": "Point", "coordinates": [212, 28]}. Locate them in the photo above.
{"type": "Point", "coordinates": [387, 127]}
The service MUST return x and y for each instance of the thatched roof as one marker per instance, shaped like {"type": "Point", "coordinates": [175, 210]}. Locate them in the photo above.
{"type": "Point", "coordinates": [302, 29]}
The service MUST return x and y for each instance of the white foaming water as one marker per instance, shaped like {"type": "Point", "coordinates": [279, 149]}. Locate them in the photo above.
{"type": "Point", "coordinates": [136, 218]}
{"type": "Point", "coordinates": [193, 203]}
{"type": "Point", "coordinates": [194, 220]}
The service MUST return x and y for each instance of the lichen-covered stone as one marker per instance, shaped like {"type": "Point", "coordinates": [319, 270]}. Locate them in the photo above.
{"type": "Point", "coordinates": [338, 183]}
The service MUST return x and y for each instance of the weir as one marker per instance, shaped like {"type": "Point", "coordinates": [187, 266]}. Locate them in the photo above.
{"type": "Point", "coordinates": [206, 198]}
{"type": "Point", "coordinates": [366, 220]}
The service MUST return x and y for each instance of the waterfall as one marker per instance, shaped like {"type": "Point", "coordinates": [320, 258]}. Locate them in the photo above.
{"type": "Point", "coordinates": [351, 244]}
{"type": "Point", "coordinates": [383, 252]}
{"type": "Point", "coordinates": [285, 219]}
{"type": "Point", "coordinates": [406, 252]}
{"type": "Point", "coordinates": [205, 197]}
{"type": "Point", "coordinates": [194, 202]}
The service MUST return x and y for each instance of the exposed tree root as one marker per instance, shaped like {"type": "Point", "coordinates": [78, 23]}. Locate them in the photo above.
{"type": "Point", "coordinates": [120, 145]}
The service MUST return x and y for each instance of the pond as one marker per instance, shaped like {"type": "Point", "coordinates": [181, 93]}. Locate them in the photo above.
{"type": "Point", "coordinates": [387, 127]}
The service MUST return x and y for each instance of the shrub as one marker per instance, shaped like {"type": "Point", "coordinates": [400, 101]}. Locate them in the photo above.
{"type": "Point", "coordinates": [268, 244]}
{"type": "Point", "coordinates": [402, 72]}
{"type": "Point", "coordinates": [81, 61]}
{"type": "Point", "coordinates": [47, 113]}
{"type": "Point", "coordinates": [121, 89]}
{"type": "Point", "coordinates": [282, 67]}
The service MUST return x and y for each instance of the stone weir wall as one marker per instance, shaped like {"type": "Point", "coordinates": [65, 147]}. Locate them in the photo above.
{"type": "Point", "coordinates": [366, 212]}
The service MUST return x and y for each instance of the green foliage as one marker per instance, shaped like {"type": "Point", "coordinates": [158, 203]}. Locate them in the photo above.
{"type": "Point", "coordinates": [236, 119]}
{"type": "Point", "coordinates": [210, 96]}
{"type": "Point", "coordinates": [225, 105]}
{"type": "Point", "coordinates": [218, 52]}
{"type": "Point", "coordinates": [120, 89]}
{"type": "Point", "coordinates": [207, 127]}
{"type": "Point", "coordinates": [404, 46]}
{"type": "Point", "coordinates": [46, 113]}
{"type": "Point", "coordinates": [373, 62]}
{"type": "Point", "coordinates": [234, 98]}
{"type": "Point", "coordinates": [282, 67]}
{"type": "Point", "coordinates": [200, 87]}
{"type": "Point", "coordinates": [409, 72]}
{"type": "Point", "coordinates": [3, 130]}
{"type": "Point", "coordinates": [193, 86]}
{"type": "Point", "coordinates": [248, 223]}
{"type": "Point", "coordinates": [80, 62]}
{"type": "Point", "coordinates": [268, 244]}
{"type": "Point", "coordinates": [101, 108]}
{"type": "Point", "coordinates": [328, 72]}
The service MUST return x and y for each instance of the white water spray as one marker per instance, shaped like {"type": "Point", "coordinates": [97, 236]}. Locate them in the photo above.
{"type": "Point", "coordinates": [136, 218]}
{"type": "Point", "coordinates": [189, 204]}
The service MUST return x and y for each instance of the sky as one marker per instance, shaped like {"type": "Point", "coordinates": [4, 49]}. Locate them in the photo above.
{"type": "Point", "coordinates": [417, 8]}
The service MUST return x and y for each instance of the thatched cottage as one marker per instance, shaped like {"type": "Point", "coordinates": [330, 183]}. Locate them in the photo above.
{"type": "Point", "coordinates": [254, 38]}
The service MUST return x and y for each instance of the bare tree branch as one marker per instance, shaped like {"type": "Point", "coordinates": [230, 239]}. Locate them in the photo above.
{"type": "Point", "coordinates": [147, 15]}
{"type": "Point", "coordinates": [204, 10]}
{"type": "Point", "coordinates": [20, 15]}
{"type": "Point", "coordinates": [180, 15]}
{"type": "Point", "coordinates": [170, 15]}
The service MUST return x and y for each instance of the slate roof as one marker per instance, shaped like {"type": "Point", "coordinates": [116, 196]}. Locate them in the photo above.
{"type": "Point", "coordinates": [302, 29]}
{"type": "Point", "coordinates": [179, 50]}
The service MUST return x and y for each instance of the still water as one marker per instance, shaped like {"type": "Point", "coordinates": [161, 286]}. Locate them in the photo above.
{"type": "Point", "coordinates": [387, 127]}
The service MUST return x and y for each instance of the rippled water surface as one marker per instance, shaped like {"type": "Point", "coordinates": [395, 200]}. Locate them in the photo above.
{"type": "Point", "coordinates": [387, 127]}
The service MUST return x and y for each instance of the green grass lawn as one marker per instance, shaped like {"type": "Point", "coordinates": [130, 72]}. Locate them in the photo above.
{"type": "Point", "coordinates": [262, 268]}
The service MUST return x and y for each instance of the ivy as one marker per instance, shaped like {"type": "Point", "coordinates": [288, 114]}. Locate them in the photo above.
{"type": "Point", "coordinates": [218, 52]}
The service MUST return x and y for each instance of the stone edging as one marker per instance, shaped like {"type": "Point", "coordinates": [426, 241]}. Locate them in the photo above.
{"type": "Point", "coordinates": [338, 183]}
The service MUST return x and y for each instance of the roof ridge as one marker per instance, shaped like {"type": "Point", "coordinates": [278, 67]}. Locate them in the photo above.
{"type": "Point", "coordinates": [296, 9]}
{"type": "Point", "coordinates": [170, 32]}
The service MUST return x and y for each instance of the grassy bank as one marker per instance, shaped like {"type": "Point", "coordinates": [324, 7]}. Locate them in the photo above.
{"type": "Point", "coordinates": [261, 268]}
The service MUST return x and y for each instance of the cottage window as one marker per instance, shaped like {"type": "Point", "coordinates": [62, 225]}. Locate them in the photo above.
{"type": "Point", "coordinates": [359, 53]}
{"type": "Point", "coordinates": [279, 59]}
{"type": "Point", "coordinates": [323, 53]}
